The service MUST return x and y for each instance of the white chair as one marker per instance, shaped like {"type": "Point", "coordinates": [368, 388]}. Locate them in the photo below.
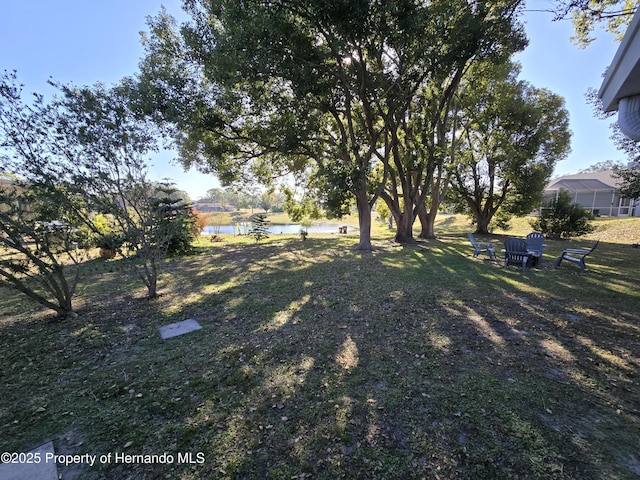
{"type": "Point", "coordinates": [576, 255]}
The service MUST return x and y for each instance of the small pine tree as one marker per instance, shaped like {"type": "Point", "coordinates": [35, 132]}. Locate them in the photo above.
{"type": "Point", "coordinates": [175, 223]}
{"type": "Point", "coordinates": [259, 227]}
{"type": "Point", "coordinates": [561, 218]}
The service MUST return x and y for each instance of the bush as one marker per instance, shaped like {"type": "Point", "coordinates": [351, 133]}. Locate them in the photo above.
{"type": "Point", "coordinates": [109, 241]}
{"type": "Point", "coordinates": [175, 224]}
{"type": "Point", "coordinates": [561, 218]}
{"type": "Point", "coordinates": [259, 227]}
{"type": "Point", "coordinates": [501, 220]}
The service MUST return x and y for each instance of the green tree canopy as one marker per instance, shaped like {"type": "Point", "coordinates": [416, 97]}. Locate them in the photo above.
{"type": "Point", "coordinates": [630, 177]}
{"type": "Point", "coordinates": [600, 166]}
{"type": "Point", "coordinates": [262, 89]}
{"type": "Point", "coordinates": [514, 134]}
{"type": "Point", "coordinates": [587, 15]}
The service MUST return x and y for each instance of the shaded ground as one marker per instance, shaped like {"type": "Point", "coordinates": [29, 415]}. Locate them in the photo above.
{"type": "Point", "coordinates": [316, 362]}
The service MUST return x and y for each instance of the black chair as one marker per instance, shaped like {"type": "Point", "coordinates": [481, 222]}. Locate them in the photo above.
{"type": "Point", "coordinates": [515, 251]}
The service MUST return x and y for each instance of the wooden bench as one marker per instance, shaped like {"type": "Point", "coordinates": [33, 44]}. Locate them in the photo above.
{"type": "Point", "coordinates": [576, 255]}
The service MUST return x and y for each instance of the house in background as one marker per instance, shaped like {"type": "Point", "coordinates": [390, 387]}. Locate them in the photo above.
{"type": "Point", "coordinates": [595, 191]}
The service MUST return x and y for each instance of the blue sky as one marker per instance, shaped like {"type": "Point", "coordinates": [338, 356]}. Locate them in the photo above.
{"type": "Point", "coordinates": [87, 41]}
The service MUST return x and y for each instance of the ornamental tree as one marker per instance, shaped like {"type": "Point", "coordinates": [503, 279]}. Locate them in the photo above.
{"type": "Point", "coordinates": [85, 151]}
{"type": "Point", "coordinates": [41, 244]}
{"type": "Point", "coordinates": [101, 146]}
{"type": "Point", "coordinates": [40, 253]}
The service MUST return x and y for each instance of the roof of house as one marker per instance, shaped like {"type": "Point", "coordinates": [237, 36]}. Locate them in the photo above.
{"type": "Point", "coordinates": [585, 182]}
{"type": "Point", "coordinates": [623, 75]}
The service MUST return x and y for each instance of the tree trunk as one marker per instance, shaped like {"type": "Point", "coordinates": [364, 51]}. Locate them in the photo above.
{"type": "Point", "coordinates": [404, 228]}
{"type": "Point", "coordinates": [63, 307]}
{"type": "Point", "coordinates": [66, 308]}
{"type": "Point", "coordinates": [364, 220]}
{"type": "Point", "coordinates": [482, 224]}
{"type": "Point", "coordinates": [152, 287]}
{"type": "Point", "coordinates": [427, 223]}
{"type": "Point", "coordinates": [481, 214]}
{"type": "Point", "coordinates": [403, 218]}
{"type": "Point", "coordinates": [152, 291]}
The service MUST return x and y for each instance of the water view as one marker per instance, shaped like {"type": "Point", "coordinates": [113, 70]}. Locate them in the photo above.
{"type": "Point", "coordinates": [273, 228]}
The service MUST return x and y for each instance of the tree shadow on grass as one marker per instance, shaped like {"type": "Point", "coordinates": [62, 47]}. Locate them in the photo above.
{"type": "Point", "coordinates": [402, 364]}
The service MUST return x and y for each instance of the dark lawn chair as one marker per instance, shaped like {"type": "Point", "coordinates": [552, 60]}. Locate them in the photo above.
{"type": "Point", "coordinates": [576, 255]}
{"type": "Point", "coordinates": [535, 246]}
{"type": "Point", "coordinates": [515, 251]}
{"type": "Point", "coordinates": [481, 247]}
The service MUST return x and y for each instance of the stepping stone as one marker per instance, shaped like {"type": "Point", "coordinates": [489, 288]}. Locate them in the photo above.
{"type": "Point", "coordinates": [45, 470]}
{"type": "Point", "coordinates": [179, 328]}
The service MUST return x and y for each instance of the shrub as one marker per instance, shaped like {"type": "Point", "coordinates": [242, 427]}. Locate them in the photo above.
{"type": "Point", "coordinates": [562, 218]}
{"type": "Point", "coordinates": [259, 227]}
{"type": "Point", "coordinates": [175, 224]}
{"type": "Point", "coordinates": [109, 240]}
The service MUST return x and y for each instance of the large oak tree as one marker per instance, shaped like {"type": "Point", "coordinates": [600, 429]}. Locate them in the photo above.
{"type": "Point", "coordinates": [514, 134]}
{"type": "Point", "coordinates": [324, 88]}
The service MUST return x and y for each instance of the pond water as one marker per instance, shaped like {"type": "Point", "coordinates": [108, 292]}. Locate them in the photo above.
{"type": "Point", "coordinates": [290, 228]}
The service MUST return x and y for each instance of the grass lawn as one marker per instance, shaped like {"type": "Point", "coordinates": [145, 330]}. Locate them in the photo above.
{"type": "Point", "coordinates": [317, 362]}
